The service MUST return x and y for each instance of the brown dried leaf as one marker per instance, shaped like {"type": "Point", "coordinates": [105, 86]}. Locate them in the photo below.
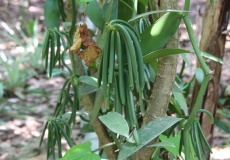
{"type": "Point", "coordinates": [89, 55]}
{"type": "Point", "coordinates": [86, 37]}
{"type": "Point", "coordinates": [77, 42]}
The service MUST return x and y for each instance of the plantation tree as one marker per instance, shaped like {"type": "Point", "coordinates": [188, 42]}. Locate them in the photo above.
{"type": "Point", "coordinates": [122, 80]}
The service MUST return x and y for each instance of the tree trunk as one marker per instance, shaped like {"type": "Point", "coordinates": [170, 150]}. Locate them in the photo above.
{"type": "Point", "coordinates": [215, 21]}
{"type": "Point", "coordinates": [100, 129]}
{"type": "Point", "coordinates": [161, 92]}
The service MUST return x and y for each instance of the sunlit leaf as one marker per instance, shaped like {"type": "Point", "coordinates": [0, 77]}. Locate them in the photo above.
{"type": "Point", "coordinates": [175, 141]}
{"type": "Point", "coordinates": [81, 152]}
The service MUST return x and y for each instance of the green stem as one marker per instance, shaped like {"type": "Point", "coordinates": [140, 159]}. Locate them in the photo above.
{"type": "Point", "coordinates": [187, 6]}
{"type": "Point", "coordinates": [73, 22]}
{"type": "Point", "coordinates": [73, 56]}
{"type": "Point", "coordinates": [182, 69]}
{"type": "Point", "coordinates": [198, 101]}
{"type": "Point", "coordinates": [195, 45]}
{"type": "Point", "coordinates": [106, 145]}
{"type": "Point", "coordinates": [186, 138]}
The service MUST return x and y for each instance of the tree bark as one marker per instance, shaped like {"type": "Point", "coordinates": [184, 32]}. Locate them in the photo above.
{"type": "Point", "coordinates": [100, 129]}
{"type": "Point", "coordinates": [161, 92]}
{"type": "Point", "coordinates": [215, 21]}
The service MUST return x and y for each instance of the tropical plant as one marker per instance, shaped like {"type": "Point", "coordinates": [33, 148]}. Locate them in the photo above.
{"type": "Point", "coordinates": [116, 79]}
{"type": "Point", "coordinates": [17, 69]}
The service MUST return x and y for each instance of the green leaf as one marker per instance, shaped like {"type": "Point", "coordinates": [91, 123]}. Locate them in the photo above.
{"type": "Point", "coordinates": [222, 125]}
{"type": "Point", "coordinates": [179, 97]}
{"type": "Point", "coordinates": [199, 73]}
{"type": "Point", "coordinates": [185, 59]}
{"type": "Point", "coordinates": [173, 140]}
{"type": "Point", "coordinates": [212, 57]}
{"type": "Point", "coordinates": [116, 123]}
{"type": "Point", "coordinates": [146, 134]}
{"type": "Point", "coordinates": [81, 152]}
{"type": "Point", "coordinates": [97, 105]}
{"type": "Point", "coordinates": [110, 10]}
{"type": "Point", "coordinates": [86, 89]}
{"type": "Point", "coordinates": [95, 14]}
{"type": "Point", "coordinates": [87, 128]}
{"type": "Point", "coordinates": [89, 80]}
{"type": "Point", "coordinates": [162, 52]}
{"type": "Point", "coordinates": [52, 14]}
{"type": "Point", "coordinates": [125, 6]}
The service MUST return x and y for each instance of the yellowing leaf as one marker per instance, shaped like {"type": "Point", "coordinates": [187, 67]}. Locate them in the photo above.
{"type": "Point", "coordinates": [76, 42]}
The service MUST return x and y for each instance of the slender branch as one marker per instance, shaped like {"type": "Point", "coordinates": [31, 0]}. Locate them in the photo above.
{"type": "Point", "coordinates": [195, 45]}
{"type": "Point", "coordinates": [199, 100]}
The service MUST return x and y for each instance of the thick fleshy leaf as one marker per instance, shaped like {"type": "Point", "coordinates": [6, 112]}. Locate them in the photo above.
{"type": "Point", "coordinates": [110, 10]}
{"type": "Point", "coordinates": [89, 80]}
{"type": "Point", "coordinates": [81, 152]}
{"type": "Point", "coordinates": [159, 33]}
{"type": "Point", "coordinates": [52, 14]}
{"type": "Point", "coordinates": [95, 14]}
{"type": "Point", "coordinates": [163, 52]}
{"type": "Point", "coordinates": [116, 123]}
{"type": "Point", "coordinates": [199, 73]}
{"type": "Point", "coordinates": [146, 134]}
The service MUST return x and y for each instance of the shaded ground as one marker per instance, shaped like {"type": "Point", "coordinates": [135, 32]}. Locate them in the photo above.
{"type": "Point", "coordinates": [22, 119]}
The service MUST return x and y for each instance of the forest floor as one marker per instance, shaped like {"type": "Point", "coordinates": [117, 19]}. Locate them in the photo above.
{"type": "Point", "coordinates": [22, 117]}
